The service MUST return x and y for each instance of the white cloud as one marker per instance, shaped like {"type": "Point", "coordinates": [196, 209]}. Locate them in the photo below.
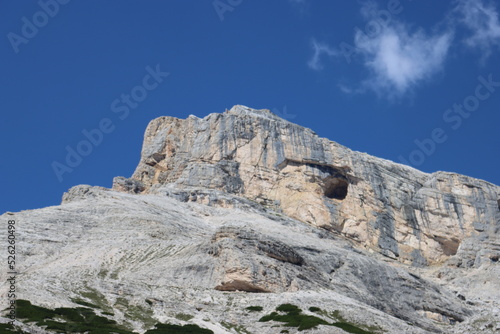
{"type": "Point", "coordinates": [399, 59]}
{"type": "Point", "coordinates": [482, 20]}
{"type": "Point", "coordinates": [318, 50]}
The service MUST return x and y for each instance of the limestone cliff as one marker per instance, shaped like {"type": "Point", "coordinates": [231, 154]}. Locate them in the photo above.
{"type": "Point", "coordinates": [419, 218]}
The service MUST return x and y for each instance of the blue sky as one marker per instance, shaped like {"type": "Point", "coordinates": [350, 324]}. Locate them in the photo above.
{"type": "Point", "coordinates": [409, 81]}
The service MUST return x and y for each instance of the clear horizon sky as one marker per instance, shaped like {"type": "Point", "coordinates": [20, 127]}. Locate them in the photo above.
{"type": "Point", "coordinates": [415, 82]}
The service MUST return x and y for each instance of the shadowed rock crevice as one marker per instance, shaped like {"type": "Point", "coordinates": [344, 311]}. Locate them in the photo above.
{"type": "Point", "coordinates": [238, 285]}
{"type": "Point", "coordinates": [228, 237]}
{"type": "Point", "coordinates": [448, 245]}
{"type": "Point", "coordinates": [280, 251]}
{"type": "Point", "coordinates": [335, 188]}
{"type": "Point", "coordinates": [154, 159]}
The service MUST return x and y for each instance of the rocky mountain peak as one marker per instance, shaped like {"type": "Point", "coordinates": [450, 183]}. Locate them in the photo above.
{"type": "Point", "coordinates": [243, 222]}
{"type": "Point", "coordinates": [389, 208]}
{"type": "Point", "coordinates": [240, 110]}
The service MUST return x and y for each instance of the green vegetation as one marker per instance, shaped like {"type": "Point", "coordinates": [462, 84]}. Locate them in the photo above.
{"type": "Point", "coordinates": [83, 303]}
{"type": "Point", "coordinates": [176, 329]}
{"type": "Point", "coordinates": [184, 317]}
{"type": "Point", "coordinates": [84, 320]}
{"type": "Point", "coordinates": [254, 308]}
{"type": "Point", "coordinates": [31, 312]}
{"type": "Point", "coordinates": [292, 316]}
{"type": "Point", "coordinates": [350, 328]}
{"type": "Point", "coordinates": [289, 308]}
{"type": "Point", "coordinates": [314, 309]}
{"type": "Point", "coordinates": [268, 317]}
{"type": "Point", "coordinates": [347, 326]}
{"type": "Point", "coordinates": [97, 299]}
{"type": "Point", "coordinates": [67, 320]}
{"type": "Point", "coordinates": [238, 328]}
{"type": "Point", "coordinates": [135, 312]}
{"type": "Point", "coordinates": [6, 328]}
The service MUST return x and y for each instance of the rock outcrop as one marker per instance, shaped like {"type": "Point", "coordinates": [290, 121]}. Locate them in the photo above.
{"type": "Point", "coordinates": [246, 209]}
{"type": "Point", "coordinates": [421, 219]}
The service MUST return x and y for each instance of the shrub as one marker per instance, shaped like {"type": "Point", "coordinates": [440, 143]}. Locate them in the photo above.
{"type": "Point", "coordinates": [289, 308]}
{"type": "Point", "coordinates": [74, 320]}
{"type": "Point", "coordinates": [294, 318]}
{"type": "Point", "coordinates": [84, 303]}
{"type": "Point", "coordinates": [176, 329]}
{"type": "Point", "coordinates": [254, 308]}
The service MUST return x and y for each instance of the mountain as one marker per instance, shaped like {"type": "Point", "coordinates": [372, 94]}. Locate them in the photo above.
{"type": "Point", "coordinates": [242, 222]}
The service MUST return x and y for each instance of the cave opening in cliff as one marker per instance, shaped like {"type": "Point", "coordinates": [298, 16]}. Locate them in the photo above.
{"type": "Point", "coordinates": [336, 188]}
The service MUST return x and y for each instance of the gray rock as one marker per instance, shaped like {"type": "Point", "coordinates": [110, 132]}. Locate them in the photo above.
{"type": "Point", "coordinates": [390, 208]}
{"type": "Point", "coordinates": [244, 208]}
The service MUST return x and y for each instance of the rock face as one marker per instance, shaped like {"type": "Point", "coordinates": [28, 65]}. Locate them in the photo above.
{"type": "Point", "coordinates": [421, 219]}
{"type": "Point", "coordinates": [246, 209]}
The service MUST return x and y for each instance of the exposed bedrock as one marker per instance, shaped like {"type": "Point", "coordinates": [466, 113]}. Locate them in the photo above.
{"type": "Point", "coordinates": [403, 213]}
